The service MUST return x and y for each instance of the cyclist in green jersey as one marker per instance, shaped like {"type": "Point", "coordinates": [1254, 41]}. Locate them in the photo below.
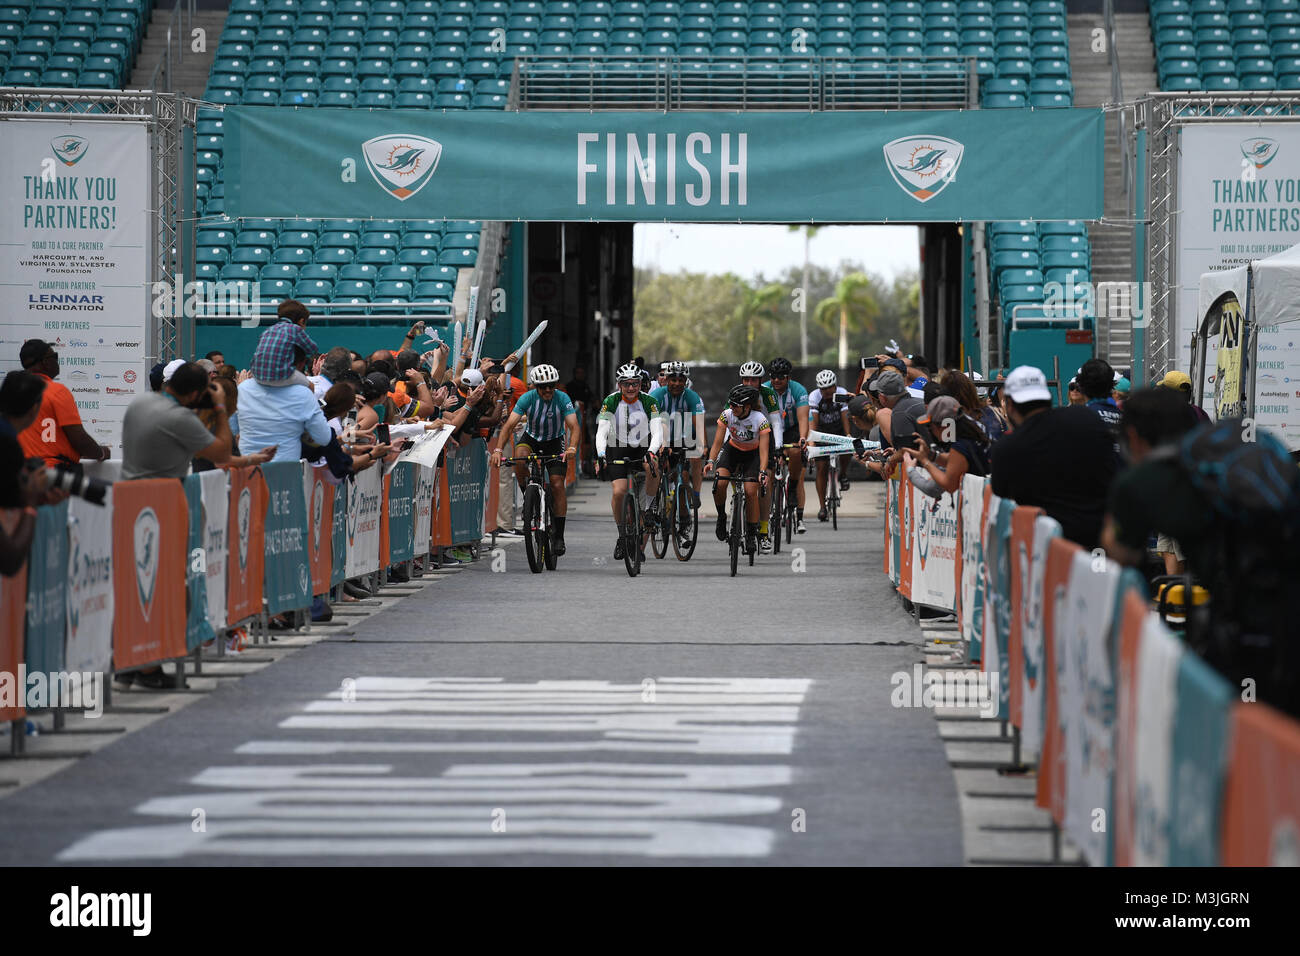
{"type": "Point", "coordinates": [631, 427]}
{"type": "Point", "coordinates": [751, 374]}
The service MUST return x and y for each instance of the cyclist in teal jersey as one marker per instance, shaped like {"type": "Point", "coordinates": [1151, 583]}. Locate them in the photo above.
{"type": "Point", "coordinates": [549, 415]}
{"type": "Point", "coordinates": [684, 414]}
{"type": "Point", "coordinates": [792, 401]}
{"type": "Point", "coordinates": [751, 374]}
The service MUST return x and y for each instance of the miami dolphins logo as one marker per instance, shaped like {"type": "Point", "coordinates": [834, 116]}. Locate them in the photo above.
{"type": "Point", "coordinates": [70, 149]}
{"type": "Point", "coordinates": [243, 519]}
{"type": "Point", "coordinates": [401, 164]}
{"type": "Point", "coordinates": [923, 166]}
{"type": "Point", "coordinates": [923, 535]}
{"type": "Point", "coordinates": [1259, 150]}
{"type": "Point", "coordinates": [74, 585]}
{"type": "Point", "coordinates": [145, 534]}
{"type": "Point", "coordinates": [317, 512]}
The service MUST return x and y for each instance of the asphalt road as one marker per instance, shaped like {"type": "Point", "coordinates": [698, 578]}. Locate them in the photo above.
{"type": "Point", "coordinates": [501, 717]}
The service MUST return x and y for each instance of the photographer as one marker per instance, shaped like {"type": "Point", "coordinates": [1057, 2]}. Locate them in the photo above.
{"type": "Point", "coordinates": [56, 434]}
{"type": "Point", "coordinates": [161, 432]}
{"type": "Point", "coordinates": [22, 481]}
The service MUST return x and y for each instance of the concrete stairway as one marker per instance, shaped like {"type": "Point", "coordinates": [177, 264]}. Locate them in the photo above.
{"type": "Point", "coordinates": [190, 75]}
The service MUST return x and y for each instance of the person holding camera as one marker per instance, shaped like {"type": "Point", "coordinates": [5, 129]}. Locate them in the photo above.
{"type": "Point", "coordinates": [161, 432]}
{"type": "Point", "coordinates": [56, 434]}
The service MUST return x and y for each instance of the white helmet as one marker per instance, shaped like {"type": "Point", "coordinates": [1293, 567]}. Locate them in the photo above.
{"type": "Point", "coordinates": [544, 375]}
{"type": "Point", "coordinates": [678, 368]}
{"type": "Point", "coordinates": [826, 378]}
{"type": "Point", "coordinates": [630, 371]}
{"type": "Point", "coordinates": [751, 370]}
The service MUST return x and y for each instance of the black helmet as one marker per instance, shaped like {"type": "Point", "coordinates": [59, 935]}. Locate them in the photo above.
{"type": "Point", "coordinates": [743, 395]}
{"type": "Point", "coordinates": [780, 366]}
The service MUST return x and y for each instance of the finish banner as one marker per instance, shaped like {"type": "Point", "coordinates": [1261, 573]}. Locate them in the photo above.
{"type": "Point", "coordinates": [886, 166]}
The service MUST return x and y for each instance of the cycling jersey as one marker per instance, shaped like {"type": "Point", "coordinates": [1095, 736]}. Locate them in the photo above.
{"type": "Point", "coordinates": [628, 424]}
{"type": "Point", "coordinates": [823, 403]}
{"type": "Point", "coordinates": [743, 433]}
{"type": "Point", "coordinates": [544, 420]}
{"type": "Point", "coordinates": [788, 403]}
{"type": "Point", "coordinates": [680, 413]}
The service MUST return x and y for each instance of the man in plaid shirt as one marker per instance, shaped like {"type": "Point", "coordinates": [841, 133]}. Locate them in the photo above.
{"type": "Point", "coordinates": [273, 361]}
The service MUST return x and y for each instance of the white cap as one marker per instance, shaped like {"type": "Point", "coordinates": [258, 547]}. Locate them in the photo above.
{"type": "Point", "coordinates": [170, 368]}
{"type": "Point", "coordinates": [1027, 384]}
{"type": "Point", "coordinates": [471, 378]}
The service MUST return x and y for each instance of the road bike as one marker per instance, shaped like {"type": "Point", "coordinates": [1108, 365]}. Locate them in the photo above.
{"type": "Point", "coordinates": [673, 513]}
{"type": "Point", "coordinates": [785, 502]}
{"type": "Point", "coordinates": [634, 524]}
{"type": "Point", "coordinates": [833, 491]}
{"type": "Point", "coordinates": [539, 507]}
{"type": "Point", "coordinates": [736, 526]}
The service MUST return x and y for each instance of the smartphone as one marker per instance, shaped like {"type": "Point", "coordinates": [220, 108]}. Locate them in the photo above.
{"type": "Point", "coordinates": [871, 362]}
{"type": "Point", "coordinates": [407, 444]}
{"type": "Point", "coordinates": [419, 328]}
{"type": "Point", "coordinates": [381, 434]}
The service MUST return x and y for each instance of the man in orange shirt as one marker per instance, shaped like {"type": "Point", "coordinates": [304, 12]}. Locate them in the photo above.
{"type": "Point", "coordinates": [57, 435]}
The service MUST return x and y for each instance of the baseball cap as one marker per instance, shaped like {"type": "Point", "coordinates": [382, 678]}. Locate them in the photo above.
{"type": "Point", "coordinates": [1027, 384]}
{"type": "Point", "coordinates": [33, 350]}
{"type": "Point", "coordinates": [1176, 379]}
{"type": "Point", "coordinates": [889, 383]}
{"type": "Point", "coordinates": [170, 369]}
{"type": "Point", "coordinates": [896, 363]}
{"type": "Point", "coordinates": [858, 405]}
{"type": "Point", "coordinates": [379, 383]}
{"type": "Point", "coordinates": [155, 377]}
{"type": "Point", "coordinates": [940, 409]}
{"type": "Point", "coordinates": [1123, 385]}
{"type": "Point", "coordinates": [471, 378]}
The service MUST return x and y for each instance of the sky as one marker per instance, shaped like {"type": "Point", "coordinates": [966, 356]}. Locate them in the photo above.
{"type": "Point", "coordinates": [747, 249]}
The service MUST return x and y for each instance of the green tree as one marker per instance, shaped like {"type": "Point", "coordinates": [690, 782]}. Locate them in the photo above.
{"type": "Point", "coordinates": [757, 311]}
{"type": "Point", "coordinates": [809, 233]}
{"type": "Point", "coordinates": [853, 304]}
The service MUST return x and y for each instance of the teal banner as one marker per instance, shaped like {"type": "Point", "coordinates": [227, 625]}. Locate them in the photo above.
{"type": "Point", "coordinates": [1199, 766]}
{"type": "Point", "coordinates": [997, 558]}
{"type": "Point", "coordinates": [888, 166]}
{"type": "Point", "coordinates": [466, 482]}
{"type": "Point", "coordinates": [197, 628]}
{"type": "Point", "coordinates": [288, 564]}
{"type": "Point", "coordinates": [401, 512]}
{"type": "Point", "coordinates": [339, 535]}
{"type": "Point", "coordinates": [47, 590]}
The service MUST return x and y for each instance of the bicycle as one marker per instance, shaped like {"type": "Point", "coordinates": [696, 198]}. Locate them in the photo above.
{"type": "Point", "coordinates": [673, 514]}
{"type": "Point", "coordinates": [633, 522]}
{"type": "Point", "coordinates": [785, 501]}
{"type": "Point", "coordinates": [833, 490]}
{"type": "Point", "coordinates": [538, 509]}
{"type": "Point", "coordinates": [736, 531]}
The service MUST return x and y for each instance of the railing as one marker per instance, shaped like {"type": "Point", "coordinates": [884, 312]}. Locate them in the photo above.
{"type": "Point", "coordinates": [179, 28]}
{"type": "Point", "coordinates": [684, 83]}
{"type": "Point", "coordinates": [1117, 97]}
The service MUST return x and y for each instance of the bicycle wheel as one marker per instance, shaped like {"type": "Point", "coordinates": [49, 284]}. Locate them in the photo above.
{"type": "Point", "coordinates": [659, 530]}
{"type": "Point", "coordinates": [833, 499]}
{"type": "Point", "coordinates": [778, 511]}
{"type": "Point", "coordinates": [551, 557]}
{"type": "Point", "coordinates": [686, 521]}
{"type": "Point", "coordinates": [755, 548]}
{"type": "Point", "coordinates": [737, 536]}
{"type": "Point", "coordinates": [791, 510]}
{"type": "Point", "coordinates": [533, 540]}
{"type": "Point", "coordinates": [631, 532]}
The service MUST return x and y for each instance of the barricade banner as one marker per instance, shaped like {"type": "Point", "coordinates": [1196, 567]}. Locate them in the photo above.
{"type": "Point", "coordinates": [1051, 764]}
{"type": "Point", "coordinates": [1021, 554]}
{"type": "Point", "coordinates": [319, 495]}
{"type": "Point", "coordinates": [1032, 643]}
{"type": "Point", "coordinates": [997, 597]}
{"type": "Point", "coordinates": [339, 534]}
{"type": "Point", "coordinates": [150, 525]}
{"type": "Point", "coordinates": [90, 586]}
{"type": "Point", "coordinates": [1261, 805]}
{"type": "Point", "coordinates": [197, 628]}
{"type": "Point", "coordinates": [13, 612]}
{"type": "Point", "coordinates": [466, 469]}
{"type": "Point", "coordinates": [1198, 774]}
{"type": "Point", "coordinates": [970, 614]}
{"type": "Point", "coordinates": [425, 483]}
{"type": "Point", "coordinates": [441, 511]}
{"type": "Point", "coordinates": [893, 532]}
{"type": "Point", "coordinates": [288, 568]}
{"type": "Point", "coordinates": [1133, 621]}
{"type": "Point", "coordinates": [401, 517]}
{"type": "Point", "coordinates": [246, 537]}
{"type": "Point", "coordinates": [385, 483]}
{"type": "Point", "coordinates": [47, 590]}
{"type": "Point", "coordinates": [364, 506]}
{"type": "Point", "coordinates": [934, 552]}
{"type": "Point", "coordinates": [905, 491]}
{"type": "Point", "coordinates": [494, 496]}
{"type": "Point", "coordinates": [1086, 704]}
{"type": "Point", "coordinates": [216, 529]}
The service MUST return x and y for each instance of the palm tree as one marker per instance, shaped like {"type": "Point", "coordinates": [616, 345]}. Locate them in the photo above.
{"type": "Point", "coordinates": [758, 307]}
{"type": "Point", "coordinates": [809, 231]}
{"type": "Point", "coordinates": [853, 303]}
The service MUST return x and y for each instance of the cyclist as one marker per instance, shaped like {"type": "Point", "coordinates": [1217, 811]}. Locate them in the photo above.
{"type": "Point", "coordinates": [748, 433]}
{"type": "Point", "coordinates": [827, 415]}
{"type": "Point", "coordinates": [751, 374]}
{"type": "Point", "coordinates": [637, 428]}
{"type": "Point", "coordinates": [684, 413]}
{"type": "Point", "coordinates": [792, 400]}
{"type": "Point", "coordinates": [551, 429]}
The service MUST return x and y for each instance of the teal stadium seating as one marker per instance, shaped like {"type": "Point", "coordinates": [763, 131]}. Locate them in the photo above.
{"type": "Point", "coordinates": [1223, 45]}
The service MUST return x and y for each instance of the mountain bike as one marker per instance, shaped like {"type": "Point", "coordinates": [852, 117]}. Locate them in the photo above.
{"type": "Point", "coordinates": [539, 506]}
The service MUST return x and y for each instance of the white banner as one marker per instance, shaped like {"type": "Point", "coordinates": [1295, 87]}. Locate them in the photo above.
{"type": "Point", "coordinates": [89, 630]}
{"type": "Point", "coordinates": [427, 448]}
{"type": "Point", "coordinates": [934, 550]}
{"type": "Point", "coordinates": [1238, 200]}
{"type": "Point", "coordinates": [1086, 704]}
{"type": "Point", "coordinates": [214, 488]}
{"type": "Point", "coordinates": [364, 492]}
{"type": "Point", "coordinates": [972, 555]}
{"type": "Point", "coordinates": [1153, 751]}
{"type": "Point", "coordinates": [425, 483]}
{"type": "Point", "coordinates": [1031, 640]}
{"type": "Point", "coordinates": [74, 264]}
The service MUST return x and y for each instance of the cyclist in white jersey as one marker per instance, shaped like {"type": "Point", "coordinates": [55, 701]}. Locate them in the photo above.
{"type": "Point", "coordinates": [748, 434]}
{"type": "Point", "coordinates": [634, 424]}
{"type": "Point", "coordinates": [827, 415]}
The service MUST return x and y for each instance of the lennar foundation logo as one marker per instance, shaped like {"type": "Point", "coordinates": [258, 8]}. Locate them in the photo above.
{"type": "Point", "coordinates": [69, 149]}
{"type": "Point", "coordinates": [923, 166]}
{"type": "Point", "coordinates": [401, 164]}
{"type": "Point", "coordinates": [1260, 150]}
{"type": "Point", "coordinates": [146, 558]}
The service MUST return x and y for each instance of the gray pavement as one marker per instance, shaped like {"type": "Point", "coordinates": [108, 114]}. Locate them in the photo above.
{"type": "Point", "coordinates": [579, 716]}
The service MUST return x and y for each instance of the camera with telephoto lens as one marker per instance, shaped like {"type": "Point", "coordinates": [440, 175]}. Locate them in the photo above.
{"type": "Point", "coordinates": [66, 479]}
